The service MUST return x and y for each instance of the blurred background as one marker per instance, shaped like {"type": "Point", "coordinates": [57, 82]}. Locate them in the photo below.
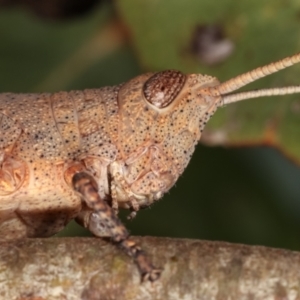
{"type": "Point", "coordinates": [238, 187]}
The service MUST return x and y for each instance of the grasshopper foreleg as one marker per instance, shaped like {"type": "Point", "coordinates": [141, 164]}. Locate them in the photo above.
{"type": "Point", "coordinates": [101, 220]}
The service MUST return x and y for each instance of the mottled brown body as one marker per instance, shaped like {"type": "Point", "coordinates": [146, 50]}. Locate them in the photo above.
{"type": "Point", "coordinates": [110, 132]}
{"type": "Point", "coordinates": [83, 154]}
{"type": "Point", "coordinates": [42, 136]}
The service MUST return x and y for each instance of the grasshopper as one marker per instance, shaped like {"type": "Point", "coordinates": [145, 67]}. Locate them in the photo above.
{"type": "Point", "coordinates": [83, 154]}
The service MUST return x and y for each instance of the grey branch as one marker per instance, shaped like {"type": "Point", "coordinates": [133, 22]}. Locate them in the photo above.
{"type": "Point", "coordinates": [90, 268]}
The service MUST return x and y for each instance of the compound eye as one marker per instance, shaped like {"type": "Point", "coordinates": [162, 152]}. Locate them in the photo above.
{"type": "Point", "coordinates": [163, 87]}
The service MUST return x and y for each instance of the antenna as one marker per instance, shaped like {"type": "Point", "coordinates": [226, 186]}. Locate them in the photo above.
{"type": "Point", "coordinates": [246, 78]}
{"type": "Point", "coordinates": [260, 93]}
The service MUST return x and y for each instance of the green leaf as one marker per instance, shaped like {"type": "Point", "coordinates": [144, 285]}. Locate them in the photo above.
{"type": "Point", "coordinates": [262, 32]}
{"type": "Point", "coordinates": [38, 55]}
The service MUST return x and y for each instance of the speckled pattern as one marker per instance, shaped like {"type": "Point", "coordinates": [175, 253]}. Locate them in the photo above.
{"type": "Point", "coordinates": [134, 150]}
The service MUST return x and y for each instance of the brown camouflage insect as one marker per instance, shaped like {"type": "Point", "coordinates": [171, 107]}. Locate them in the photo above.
{"type": "Point", "coordinates": [83, 154]}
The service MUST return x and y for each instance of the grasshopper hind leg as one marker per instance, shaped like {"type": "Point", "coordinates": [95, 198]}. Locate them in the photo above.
{"type": "Point", "coordinates": [102, 221]}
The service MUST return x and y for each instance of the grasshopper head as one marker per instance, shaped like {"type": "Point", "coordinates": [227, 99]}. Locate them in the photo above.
{"type": "Point", "coordinates": [161, 117]}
